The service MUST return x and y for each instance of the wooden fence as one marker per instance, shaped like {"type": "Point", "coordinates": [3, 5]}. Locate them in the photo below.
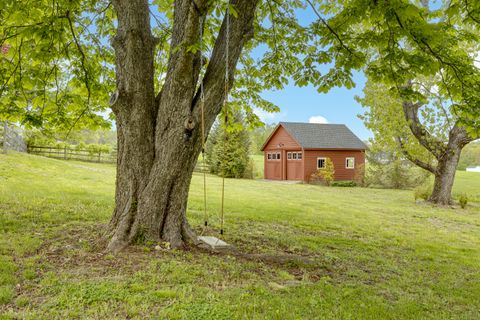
{"type": "Point", "coordinates": [74, 154]}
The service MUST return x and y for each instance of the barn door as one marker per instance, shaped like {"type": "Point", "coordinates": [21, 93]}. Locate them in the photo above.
{"type": "Point", "coordinates": [294, 165]}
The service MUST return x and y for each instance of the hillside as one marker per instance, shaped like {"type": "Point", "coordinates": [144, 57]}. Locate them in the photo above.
{"type": "Point", "coordinates": [305, 252]}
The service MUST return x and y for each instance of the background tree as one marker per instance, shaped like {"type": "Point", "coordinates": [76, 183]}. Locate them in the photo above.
{"type": "Point", "coordinates": [433, 143]}
{"type": "Point", "coordinates": [419, 50]}
{"type": "Point", "coordinates": [388, 168]}
{"type": "Point", "coordinates": [259, 136]}
{"type": "Point", "coordinates": [470, 156]}
{"type": "Point", "coordinates": [228, 149]}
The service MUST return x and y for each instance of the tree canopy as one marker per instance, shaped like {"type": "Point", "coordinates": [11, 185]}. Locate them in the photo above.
{"type": "Point", "coordinates": [57, 67]}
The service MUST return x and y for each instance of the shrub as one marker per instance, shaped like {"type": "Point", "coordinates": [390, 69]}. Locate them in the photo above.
{"type": "Point", "coordinates": [360, 178]}
{"type": "Point", "coordinates": [388, 169]}
{"type": "Point", "coordinates": [463, 200]}
{"type": "Point", "coordinates": [422, 192]}
{"type": "Point", "coordinates": [327, 174]}
{"type": "Point", "coordinates": [344, 184]}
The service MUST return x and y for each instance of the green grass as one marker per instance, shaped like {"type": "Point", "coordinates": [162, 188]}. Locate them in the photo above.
{"type": "Point", "coordinates": [467, 183]}
{"type": "Point", "coordinates": [372, 254]}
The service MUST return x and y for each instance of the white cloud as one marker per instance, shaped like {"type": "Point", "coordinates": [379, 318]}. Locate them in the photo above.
{"type": "Point", "coordinates": [317, 119]}
{"type": "Point", "coordinates": [269, 117]}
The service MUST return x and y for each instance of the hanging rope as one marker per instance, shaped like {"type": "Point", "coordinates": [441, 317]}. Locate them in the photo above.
{"type": "Point", "coordinates": [225, 111]}
{"type": "Point", "coordinates": [202, 106]}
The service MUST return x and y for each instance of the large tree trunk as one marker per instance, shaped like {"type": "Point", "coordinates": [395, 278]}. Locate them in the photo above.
{"type": "Point", "coordinates": [444, 177]}
{"type": "Point", "coordinates": [157, 150]}
{"type": "Point", "coordinates": [447, 166]}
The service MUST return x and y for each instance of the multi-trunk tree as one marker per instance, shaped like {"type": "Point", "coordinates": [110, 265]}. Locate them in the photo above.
{"type": "Point", "coordinates": [173, 63]}
{"type": "Point", "coordinates": [426, 133]}
{"type": "Point", "coordinates": [425, 56]}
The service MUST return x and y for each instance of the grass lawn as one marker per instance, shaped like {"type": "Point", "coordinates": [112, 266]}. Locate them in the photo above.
{"type": "Point", "coordinates": [359, 253]}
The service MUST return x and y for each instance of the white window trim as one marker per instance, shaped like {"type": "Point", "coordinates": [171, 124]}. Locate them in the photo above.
{"type": "Point", "coordinates": [294, 155]}
{"type": "Point", "coordinates": [274, 156]}
{"type": "Point", "coordinates": [324, 162]}
{"type": "Point", "coordinates": [346, 162]}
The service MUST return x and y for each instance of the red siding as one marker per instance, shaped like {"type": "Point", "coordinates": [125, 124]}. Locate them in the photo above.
{"type": "Point", "coordinates": [338, 157]}
{"type": "Point", "coordinates": [281, 142]}
{"type": "Point", "coordinates": [285, 169]}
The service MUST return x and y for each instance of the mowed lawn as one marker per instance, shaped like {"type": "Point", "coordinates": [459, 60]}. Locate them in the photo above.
{"type": "Point", "coordinates": [322, 253]}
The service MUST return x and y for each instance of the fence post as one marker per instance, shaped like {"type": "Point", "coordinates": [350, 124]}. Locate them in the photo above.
{"type": "Point", "coordinates": [5, 136]}
{"type": "Point", "coordinates": [99, 155]}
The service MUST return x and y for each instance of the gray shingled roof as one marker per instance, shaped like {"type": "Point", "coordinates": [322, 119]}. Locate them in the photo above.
{"type": "Point", "coordinates": [323, 136]}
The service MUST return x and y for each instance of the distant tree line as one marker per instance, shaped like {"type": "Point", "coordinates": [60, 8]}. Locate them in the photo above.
{"type": "Point", "coordinates": [470, 156]}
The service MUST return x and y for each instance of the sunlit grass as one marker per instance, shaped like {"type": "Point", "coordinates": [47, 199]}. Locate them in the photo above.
{"type": "Point", "coordinates": [375, 254]}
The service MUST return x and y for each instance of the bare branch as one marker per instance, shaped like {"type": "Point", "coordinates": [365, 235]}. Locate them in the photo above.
{"type": "Point", "coordinates": [413, 159]}
{"type": "Point", "coordinates": [429, 142]}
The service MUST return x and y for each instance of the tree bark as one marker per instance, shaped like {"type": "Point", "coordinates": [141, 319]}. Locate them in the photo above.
{"type": "Point", "coordinates": [447, 166]}
{"type": "Point", "coordinates": [444, 178]}
{"type": "Point", "coordinates": [157, 151]}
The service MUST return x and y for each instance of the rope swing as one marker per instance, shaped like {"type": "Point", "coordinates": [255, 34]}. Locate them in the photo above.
{"type": "Point", "coordinates": [202, 106]}
{"type": "Point", "coordinates": [225, 112]}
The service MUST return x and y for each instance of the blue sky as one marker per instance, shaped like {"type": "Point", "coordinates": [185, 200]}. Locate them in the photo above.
{"type": "Point", "coordinates": [336, 106]}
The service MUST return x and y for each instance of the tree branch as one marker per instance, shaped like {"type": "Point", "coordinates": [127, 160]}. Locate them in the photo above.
{"type": "Point", "coordinates": [325, 23]}
{"type": "Point", "coordinates": [413, 159]}
{"type": "Point", "coordinates": [429, 142]}
{"type": "Point", "coordinates": [241, 31]}
{"type": "Point", "coordinates": [459, 137]}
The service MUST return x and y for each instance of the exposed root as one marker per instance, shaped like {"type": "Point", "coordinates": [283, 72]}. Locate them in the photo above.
{"type": "Point", "coordinates": [188, 234]}
{"type": "Point", "coordinates": [116, 245]}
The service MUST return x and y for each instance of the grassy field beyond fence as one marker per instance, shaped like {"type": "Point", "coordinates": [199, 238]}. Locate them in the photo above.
{"type": "Point", "coordinates": [358, 253]}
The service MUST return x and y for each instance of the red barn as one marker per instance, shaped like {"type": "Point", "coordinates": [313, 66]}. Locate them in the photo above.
{"type": "Point", "coordinates": [295, 150]}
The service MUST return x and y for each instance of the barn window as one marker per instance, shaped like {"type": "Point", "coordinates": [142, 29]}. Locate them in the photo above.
{"type": "Point", "coordinates": [269, 156]}
{"type": "Point", "coordinates": [274, 156]}
{"type": "Point", "coordinates": [299, 156]}
{"type": "Point", "coordinates": [278, 156]}
{"type": "Point", "coordinates": [294, 156]}
{"type": "Point", "coordinates": [350, 163]}
{"type": "Point", "coordinates": [289, 155]}
{"type": "Point", "coordinates": [321, 163]}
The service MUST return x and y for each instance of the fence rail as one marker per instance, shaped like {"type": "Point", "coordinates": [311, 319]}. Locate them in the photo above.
{"type": "Point", "coordinates": [74, 154]}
